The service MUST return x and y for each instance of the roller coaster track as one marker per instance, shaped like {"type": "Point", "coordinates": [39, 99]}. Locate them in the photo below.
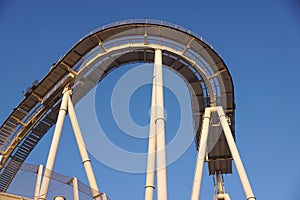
{"type": "Point", "coordinates": [92, 58]}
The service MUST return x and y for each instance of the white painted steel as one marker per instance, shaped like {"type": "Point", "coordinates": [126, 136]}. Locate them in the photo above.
{"type": "Point", "coordinates": [221, 197]}
{"type": "Point", "coordinates": [54, 144]}
{"type": "Point", "coordinates": [83, 152]}
{"type": "Point", "coordinates": [133, 46]}
{"type": "Point", "coordinates": [162, 190]}
{"type": "Point", "coordinates": [67, 104]}
{"type": "Point", "coordinates": [104, 197]}
{"type": "Point", "coordinates": [188, 52]}
{"type": "Point", "coordinates": [233, 149]}
{"type": "Point", "coordinates": [59, 198]}
{"type": "Point", "coordinates": [235, 155]}
{"type": "Point", "coordinates": [201, 155]}
{"type": "Point", "coordinates": [75, 189]}
{"type": "Point", "coordinates": [38, 182]}
{"type": "Point", "coordinates": [149, 187]}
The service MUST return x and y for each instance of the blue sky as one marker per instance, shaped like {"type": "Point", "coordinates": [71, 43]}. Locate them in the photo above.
{"type": "Point", "coordinates": [258, 40]}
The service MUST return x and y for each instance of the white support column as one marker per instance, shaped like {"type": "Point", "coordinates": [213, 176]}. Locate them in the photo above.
{"type": "Point", "coordinates": [149, 187]}
{"type": "Point", "coordinates": [103, 196]}
{"type": "Point", "coordinates": [75, 189]}
{"type": "Point", "coordinates": [162, 190]}
{"type": "Point", "coordinates": [201, 155]}
{"type": "Point", "coordinates": [84, 155]}
{"type": "Point", "coordinates": [235, 155]}
{"type": "Point", "coordinates": [38, 182]}
{"type": "Point", "coordinates": [54, 144]}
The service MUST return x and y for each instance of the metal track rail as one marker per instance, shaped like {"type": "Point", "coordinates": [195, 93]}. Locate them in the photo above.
{"type": "Point", "coordinates": [183, 51]}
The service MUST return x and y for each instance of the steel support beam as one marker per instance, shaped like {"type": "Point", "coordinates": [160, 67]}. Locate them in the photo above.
{"type": "Point", "coordinates": [67, 104]}
{"type": "Point", "coordinates": [38, 182]}
{"type": "Point", "coordinates": [162, 190]}
{"type": "Point", "coordinates": [233, 149]}
{"type": "Point", "coordinates": [54, 144]}
{"type": "Point", "coordinates": [75, 189]}
{"type": "Point", "coordinates": [149, 187]}
{"type": "Point", "coordinates": [83, 152]}
{"type": "Point", "coordinates": [201, 155]}
{"type": "Point", "coordinates": [236, 156]}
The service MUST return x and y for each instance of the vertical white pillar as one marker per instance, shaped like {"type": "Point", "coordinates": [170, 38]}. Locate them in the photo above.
{"type": "Point", "coordinates": [38, 182]}
{"type": "Point", "coordinates": [235, 155]}
{"type": "Point", "coordinates": [83, 153]}
{"type": "Point", "coordinates": [149, 187]}
{"type": "Point", "coordinates": [54, 144]}
{"type": "Point", "coordinates": [162, 190]}
{"type": "Point", "coordinates": [201, 155]}
{"type": "Point", "coordinates": [75, 189]}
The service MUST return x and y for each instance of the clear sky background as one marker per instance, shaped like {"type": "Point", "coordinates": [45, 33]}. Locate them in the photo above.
{"type": "Point", "coordinates": [258, 40]}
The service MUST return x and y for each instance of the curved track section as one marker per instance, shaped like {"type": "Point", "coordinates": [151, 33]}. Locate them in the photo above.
{"type": "Point", "coordinates": [96, 55]}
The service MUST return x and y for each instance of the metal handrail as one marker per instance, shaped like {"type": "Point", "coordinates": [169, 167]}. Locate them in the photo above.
{"type": "Point", "coordinates": [147, 21]}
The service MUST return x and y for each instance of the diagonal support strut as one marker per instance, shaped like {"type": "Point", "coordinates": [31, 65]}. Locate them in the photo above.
{"type": "Point", "coordinates": [233, 149]}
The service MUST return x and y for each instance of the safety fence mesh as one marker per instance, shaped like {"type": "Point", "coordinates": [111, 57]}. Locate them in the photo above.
{"type": "Point", "coordinates": [24, 184]}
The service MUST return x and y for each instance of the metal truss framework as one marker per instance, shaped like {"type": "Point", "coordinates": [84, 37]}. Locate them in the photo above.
{"type": "Point", "coordinates": [96, 55]}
